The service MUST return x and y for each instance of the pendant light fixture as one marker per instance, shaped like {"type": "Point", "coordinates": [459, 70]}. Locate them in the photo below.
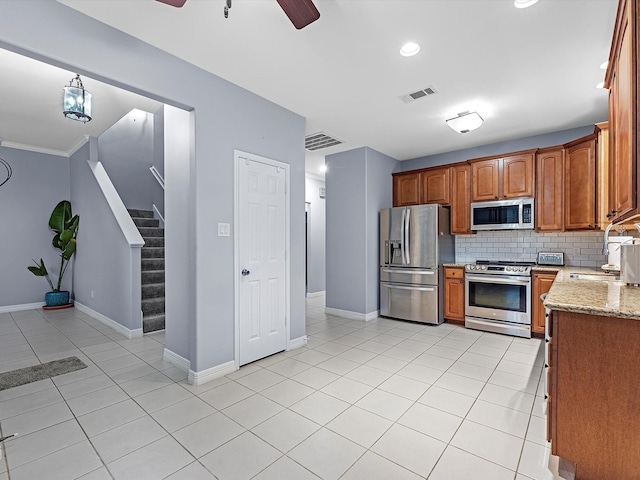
{"type": "Point", "coordinates": [465, 122]}
{"type": "Point", "coordinates": [77, 101]}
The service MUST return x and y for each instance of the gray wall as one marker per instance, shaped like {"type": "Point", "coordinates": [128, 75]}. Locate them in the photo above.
{"type": "Point", "coordinates": [536, 141]}
{"type": "Point", "coordinates": [158, 158]}
{"type": "Point", "coordinates": [316, 249]}
{"type": "Point", "coordinates": [38, 183]}
{"type": "Point", "coordinates": [126, 152]}
{"type": "Point", "coordinates": [358, 186]}
{"type": "Point", "coordinates": [102, 270]}
{"type": "Point", "coordinates": [227, 118]}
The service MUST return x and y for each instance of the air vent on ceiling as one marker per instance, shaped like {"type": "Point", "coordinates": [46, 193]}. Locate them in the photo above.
{"type": "Point", "coordinates": [425, 92]}
{"type": "Point", "coordinates": [319, 140]}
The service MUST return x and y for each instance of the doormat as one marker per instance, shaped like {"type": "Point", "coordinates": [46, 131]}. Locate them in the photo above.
{"type": "Point", "coordinates": [22, 376]}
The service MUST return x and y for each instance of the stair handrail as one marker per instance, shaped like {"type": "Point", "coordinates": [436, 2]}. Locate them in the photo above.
{"type": "Point", "coordinates": [157, 176]}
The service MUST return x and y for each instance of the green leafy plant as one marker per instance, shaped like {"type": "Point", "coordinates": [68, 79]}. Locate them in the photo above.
{"type": "Point", "coordinates": [65, 226]}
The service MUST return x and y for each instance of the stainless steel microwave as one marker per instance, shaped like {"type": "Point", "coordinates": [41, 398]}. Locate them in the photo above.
{"type": "Point", "coordinates": [512, 214]}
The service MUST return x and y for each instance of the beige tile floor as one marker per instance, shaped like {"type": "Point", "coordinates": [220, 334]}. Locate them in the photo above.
{"type": "Point", "coordinates": [378, 400]}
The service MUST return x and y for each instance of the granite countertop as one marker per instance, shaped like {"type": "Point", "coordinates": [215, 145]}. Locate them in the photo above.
{"type": "Point", "coordinates": [593, 297]}
{"type": "Point", "coordinates": [459, 265]}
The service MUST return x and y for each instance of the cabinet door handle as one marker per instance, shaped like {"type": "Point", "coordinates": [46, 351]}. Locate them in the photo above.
{"type": "Point", "coordinates": [496, 197]}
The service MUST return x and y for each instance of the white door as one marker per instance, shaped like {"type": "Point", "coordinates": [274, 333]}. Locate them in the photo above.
{"type": "Point", "coordinates": [261, 227]}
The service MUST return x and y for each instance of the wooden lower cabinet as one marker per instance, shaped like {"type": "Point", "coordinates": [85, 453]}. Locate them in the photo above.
{"type": "Point", "coordinates": [454, 294]}
{"type": "Point", "coordinates": [541, 284]}
{"type": "Point", "coordinates": [594, 417]}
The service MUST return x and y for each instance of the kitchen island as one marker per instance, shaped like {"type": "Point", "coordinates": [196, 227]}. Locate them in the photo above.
{"type": "Point", "coordinates": [593, 405]}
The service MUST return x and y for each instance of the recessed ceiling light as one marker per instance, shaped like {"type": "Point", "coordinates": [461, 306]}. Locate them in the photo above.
{"type": "Point", "coordinates": [600, 85]}
{"type": "Point", "coordinates": [409, 49]}
{"type": "Point", "coordinates": [603, 66]}
{"type": "Point", "coordinates": [524, 3]}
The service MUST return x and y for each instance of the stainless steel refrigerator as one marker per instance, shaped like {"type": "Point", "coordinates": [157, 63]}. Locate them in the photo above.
{"type": "Point", "coordinates": [414, 243]}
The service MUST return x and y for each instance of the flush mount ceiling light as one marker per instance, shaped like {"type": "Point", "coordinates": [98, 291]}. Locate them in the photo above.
{"type": "Point", "coordinates": [465, 122]}
{"type": "Point", "coordinates": [76, 101]}
{"type": "Point", "coordinates": [409, 49]}
{"type": "Point", "coordinates": [524, 3]}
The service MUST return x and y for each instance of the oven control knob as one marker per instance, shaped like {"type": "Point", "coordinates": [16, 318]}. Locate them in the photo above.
{"type": "Point", "coordinates": [508, 269]}
{"type": "Point", "coordinates": [522, 269]}
{"type": "Point", "coordinates": [484, 267]}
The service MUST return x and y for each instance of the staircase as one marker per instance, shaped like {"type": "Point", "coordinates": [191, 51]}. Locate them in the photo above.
{"type": "Point", "coordinates": [152, 270]}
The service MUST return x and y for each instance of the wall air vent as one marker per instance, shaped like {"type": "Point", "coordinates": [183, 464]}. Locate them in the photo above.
{"type": "Point", "coordinates": [317, 141]}
{"type": "Point", "coordinates": [425, 92]}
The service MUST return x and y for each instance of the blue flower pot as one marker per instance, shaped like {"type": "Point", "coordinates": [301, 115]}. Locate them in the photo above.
{"type": "Point", "coordinates": [55, 299]}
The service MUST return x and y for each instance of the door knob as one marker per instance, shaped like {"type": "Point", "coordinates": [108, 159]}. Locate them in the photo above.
{"type": "Point", "coordinates": [245, 272]}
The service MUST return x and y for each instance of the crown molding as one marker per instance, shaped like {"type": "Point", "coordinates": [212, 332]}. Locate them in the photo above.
{"type": "Point", "coordinates": [48, 151]}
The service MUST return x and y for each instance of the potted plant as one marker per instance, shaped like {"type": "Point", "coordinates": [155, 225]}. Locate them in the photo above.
{"type": "Point", "coordinates": [65, 226]}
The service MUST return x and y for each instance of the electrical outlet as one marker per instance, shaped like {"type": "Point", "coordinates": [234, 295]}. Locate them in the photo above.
{"type": "Point", "coordinates": [576, 250]}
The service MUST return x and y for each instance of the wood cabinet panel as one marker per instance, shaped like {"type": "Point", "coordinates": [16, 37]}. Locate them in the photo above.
{"type": "Point", "coordinates": [621, 80]}
{"type": "Point", "coordinates": [594, 397]}
{"type": "Point", "coordinates": [406, 189]}
{"type": "Point", "coordinates": [541, 284]}
{"type": "Point", "coordinates": [517, 176]}
{"type": "Point", "coordinates": [550, 191]}
{"type": "Point", "coordinates": [435, 186]}
{"type": "Point", "coordinates": [579, 185]}
{"type": "Point", "coordinates": [454, 294]}
{"type": "Point", "coordinates": [500, 178]}
{"type": "Point", "coordinates": [460, 199]}
{"type": "Point", "coordinates": [485, 177]}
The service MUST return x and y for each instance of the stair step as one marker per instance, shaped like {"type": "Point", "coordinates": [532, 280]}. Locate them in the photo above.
{"type": "Point", "coordinates": [152, 290]}
{"type": "Point", "coordinates": [152, 264]}
{"type": "Point", "coordinates": [153, 323]}
{"type": "Point", "coordinates": [151, 306]}
{"type": "Point", "coordinates": [153, 242]}
{"type": "Point", "coordinates": [152, 276]}
{"type": "Point", "coordinates": [151, 232]}
{"type": "Point", "coordinates": [146, 222]}
{"type": "Point", "coordinates": [140, 213]}
{"type": "Point", "coordinates": [152, 252]}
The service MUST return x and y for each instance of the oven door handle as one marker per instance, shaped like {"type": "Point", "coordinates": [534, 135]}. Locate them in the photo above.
{"type": "Point", "coordinates": [420, 289]}
{"type": "Point", "coordinates": [497, 279]}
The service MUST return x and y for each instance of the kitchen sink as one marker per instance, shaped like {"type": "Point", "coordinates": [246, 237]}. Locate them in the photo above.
{"type": "Point", "coordinates": [602, 277]}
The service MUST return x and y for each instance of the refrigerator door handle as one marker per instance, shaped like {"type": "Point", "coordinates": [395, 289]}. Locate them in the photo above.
{"type": "Point", "coordinates": [421, 289]}
{"type": "Point", "coordinates": [402, 245]}
{"type": "Point", "coordinates": [406, 235]}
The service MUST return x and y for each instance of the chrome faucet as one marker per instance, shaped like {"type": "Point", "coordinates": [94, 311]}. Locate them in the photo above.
{"type": "Point", "coordinates": [605, 245]}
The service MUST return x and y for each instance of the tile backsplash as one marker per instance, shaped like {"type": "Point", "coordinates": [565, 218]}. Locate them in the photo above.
{"type": "Point", "coordinates": [581, 249]}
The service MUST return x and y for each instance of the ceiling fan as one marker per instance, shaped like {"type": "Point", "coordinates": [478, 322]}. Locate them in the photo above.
{"type": "Point", "coordinates": [300, 12]}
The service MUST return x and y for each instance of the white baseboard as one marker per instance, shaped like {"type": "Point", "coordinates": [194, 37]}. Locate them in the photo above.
{"type": "Point", "coordinates": [121, 329]}
{"type": "Point", "coordinates": [297, 342]}
{"type": "Point", "coordinates": [204, 376]}
{"type": "Point", "coordinates": [352, 315]}
{"type": "Point", "coordinates": [316, 294]}
{"type": "Point", "coordinates": [176, 360]}
{"type": "Point", "coordinates": [18, 308]}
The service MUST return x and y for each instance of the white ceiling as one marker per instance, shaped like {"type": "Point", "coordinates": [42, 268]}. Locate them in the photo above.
{"type": "Point", "coordinates": [526, 72]}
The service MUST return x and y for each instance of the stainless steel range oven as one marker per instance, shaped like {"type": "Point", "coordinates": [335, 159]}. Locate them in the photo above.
{"type": "Point", "coordinates": [498, 297]}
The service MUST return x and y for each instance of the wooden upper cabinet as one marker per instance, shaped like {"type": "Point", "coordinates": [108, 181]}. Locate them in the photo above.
{"type": "Point", "coordinates": [435, 186]}
{"type": "Point", "coordinates": [621, 80]}
{"type": "Point", "coordinates": [549, 211]}
{"type": "Point", "coordinates": [406, 189]}
{"type": "Point", "coordinates": [461, 199]}
{"type": "Point", "coordinates": [486, 180]}
{"type": "Point", "coordinates": [517, 176]}
{"type": "Point", "coordinates": [502, 178]}
{"type": "Point", "coordinates": [579, 184]}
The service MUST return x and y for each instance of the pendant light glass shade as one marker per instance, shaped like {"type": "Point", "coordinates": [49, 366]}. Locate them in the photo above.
{"type": "Point", "coordinates": [76, 101]}
{"type": "Point", "coordinates": [465, 122]}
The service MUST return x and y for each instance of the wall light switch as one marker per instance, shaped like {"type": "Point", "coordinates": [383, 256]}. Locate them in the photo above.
{"type": "Point", "coordinates": [224, 229]}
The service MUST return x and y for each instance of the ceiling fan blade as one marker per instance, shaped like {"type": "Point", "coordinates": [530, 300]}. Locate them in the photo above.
{"type": "Point", "coordinates": [174, 3]}
{"type": "Point", "coordinates": [300, 12]}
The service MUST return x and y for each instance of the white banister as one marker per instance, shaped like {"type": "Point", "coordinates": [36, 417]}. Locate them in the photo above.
{"type": "Point", "coordinates": [157, 175]}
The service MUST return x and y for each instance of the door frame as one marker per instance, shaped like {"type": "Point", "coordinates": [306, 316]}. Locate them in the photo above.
{"type": "Point", "coordinates": [238, 156]}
